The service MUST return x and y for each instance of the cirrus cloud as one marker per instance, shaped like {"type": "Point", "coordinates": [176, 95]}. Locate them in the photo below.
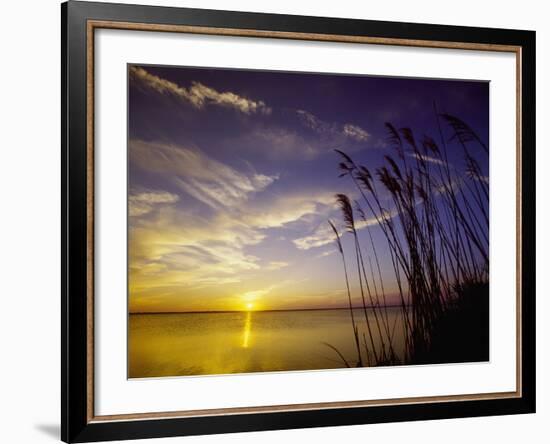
{"type": "Point", "coordinates": [355, 132]}
{"type": "Point", "coordinates": [197, 94]}
{"type": "Point", "coordinates": [207, 180]}
{"type": "Point", "coordinates": [140, 203]}
{"type": "Point", "coordinates": [329, 129]}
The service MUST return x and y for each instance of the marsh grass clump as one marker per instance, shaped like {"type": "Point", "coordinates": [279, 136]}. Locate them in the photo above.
{"type": "Point", "coordinates": [434, 220]}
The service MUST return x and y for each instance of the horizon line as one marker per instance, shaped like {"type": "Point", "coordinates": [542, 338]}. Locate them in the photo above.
{"type": "Point", "coordinates": [270, 310]}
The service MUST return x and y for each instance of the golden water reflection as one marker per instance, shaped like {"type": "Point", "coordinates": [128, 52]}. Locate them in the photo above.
{"type": "Point", "coordinates": [180, 344]}
{"type": "Point", "coordinates": [247, 328]}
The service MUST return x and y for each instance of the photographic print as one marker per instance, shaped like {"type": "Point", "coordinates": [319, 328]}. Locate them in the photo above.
{"type": "Point", "coordinates": [283, 221]}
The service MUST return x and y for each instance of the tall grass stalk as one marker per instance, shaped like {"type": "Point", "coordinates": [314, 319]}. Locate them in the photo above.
{"type": "Point", "coordinates": [436, 233]}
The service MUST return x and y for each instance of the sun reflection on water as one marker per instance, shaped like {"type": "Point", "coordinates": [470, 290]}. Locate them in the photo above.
{"type": "Point", "coordinates": [247, 328]}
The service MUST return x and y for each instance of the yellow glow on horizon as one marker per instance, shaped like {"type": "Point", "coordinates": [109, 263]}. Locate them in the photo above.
{"type": "Point", "coordinates": [249, 299]}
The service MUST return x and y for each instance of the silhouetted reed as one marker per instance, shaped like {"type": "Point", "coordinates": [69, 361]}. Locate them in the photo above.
{"type": "Point", "coordinates": [353, 323]}
{"type": "Point", "coordinates": [436, 231]}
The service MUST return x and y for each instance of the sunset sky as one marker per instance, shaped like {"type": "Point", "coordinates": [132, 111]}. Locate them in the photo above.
{"type": "Point", "coordinates": [232, 177]}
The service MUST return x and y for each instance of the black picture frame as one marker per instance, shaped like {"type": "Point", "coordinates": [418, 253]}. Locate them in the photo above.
{"type": "Point", "coordinates": [76, 327]}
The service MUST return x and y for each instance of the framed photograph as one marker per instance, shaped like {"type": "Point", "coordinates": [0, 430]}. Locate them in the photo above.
{"type": "Point", "coordinates": [276, 221]}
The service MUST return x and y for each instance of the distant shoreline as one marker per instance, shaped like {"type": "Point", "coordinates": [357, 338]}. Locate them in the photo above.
{"type": "Point", "coordinates": [257, 311]}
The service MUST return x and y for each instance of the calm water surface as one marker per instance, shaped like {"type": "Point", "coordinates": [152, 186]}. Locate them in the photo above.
{"type": "Point", "coordinates": [241, 342]}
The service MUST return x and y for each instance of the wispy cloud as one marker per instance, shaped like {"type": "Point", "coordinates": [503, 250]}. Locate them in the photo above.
{"type": "Point", "coordinates": [179, 249]}
{"type": "Point", "coordinates": [326, 253]}
{"type": "Point", "coordinates": [324, 235]}
{"type": "Point", "coordinates": [321, 236]}
{"type": "Point", "coordinates": [277, 265]}
{"type": "Point", "coordinates": [330, 129]}
{"type": "Point", "coordinates": [198, 94]}
{"type": "Point", "coordinates": [252, 295]}
{"type": "Point", "coordinates": [479, 178]}
{"type": "Point", "coordinates": [427, 158]}
{"type": "Point", "coordinates": [283, 210]}
{"type": "Point", "coordinates": [140, 203]}
{"type": "Point", "coordinates": [312, 122]}
{"type": "Point", "coordinates": [174, 251]}
{"type": "Point", "coordinates": [279, 143]}
{"type": "Point", "coordinates": [355, 132]}
{"type": "Point", "coordinates": [207, 180]}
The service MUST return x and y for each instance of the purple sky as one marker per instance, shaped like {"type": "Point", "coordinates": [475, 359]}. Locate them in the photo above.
{"type": "Point", "coordinates": [232, 176]}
